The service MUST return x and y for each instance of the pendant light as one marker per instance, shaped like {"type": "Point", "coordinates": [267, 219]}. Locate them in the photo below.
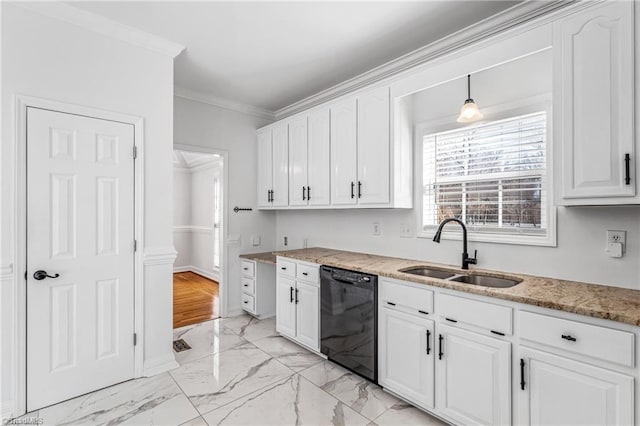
{"type": "Point", "coordinates": [469, 111]}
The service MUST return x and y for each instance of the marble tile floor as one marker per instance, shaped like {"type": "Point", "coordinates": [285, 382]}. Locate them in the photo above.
{"type": "Point", "coordinates": [240, 372]}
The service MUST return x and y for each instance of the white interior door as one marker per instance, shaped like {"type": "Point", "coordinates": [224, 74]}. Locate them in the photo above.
{"type": "Point", "coordinates": [80, 213]}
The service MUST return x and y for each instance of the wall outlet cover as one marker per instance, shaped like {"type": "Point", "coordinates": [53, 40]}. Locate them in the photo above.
{"type": "Point", "coordinates": [376, 228]}
{"type": "Point", "coordinates": [405, 231]}
{"type": "Point", "coordinates": [255, 240]}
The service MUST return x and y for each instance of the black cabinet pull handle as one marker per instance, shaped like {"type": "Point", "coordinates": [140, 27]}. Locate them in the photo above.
{"type": "Point", "coordinates": [440, 339]}
{"type": "Point", "coordinates": [41, 275]}
{"type": "Point", "coordinates": [391, 303]}
{"type": "Point", "coordinates": [290, 294]}
{"type": "Point", "coordinates": [305, 274]}
{"type": "Point", "coordinates": [497, 332]}
{"type": "Point", "coordinates": [304, 193]}
{"type": "Point", "coordinates": [246, 269]}
{"type": "Point", "coordinates": [450, 319]}
{"type": "Point", "coordinates": [297, 296]}
{"type": "Point", "coordinates": [353, 187]}
{"type": "Point", "coordinates": [308, 192]}
{"type": "Point", "coordinates": [568, 337]}
{"type": "Point", "coordinates": [627, 169]}
{"type": "Point", "coordinates": [359, 189]}
{"type": "Point", "coordinates": [423, 312]}
{"type": "Point", "coordinates": [428, 342]}
{"type": "Point", "coordinates": [246, 302]}
{"type": "Point", "coordinates": [246, 285]}
{"type": "Point", "coordinates": [521, 373]}
{"type": "Point", "coordinates": [283, 268]}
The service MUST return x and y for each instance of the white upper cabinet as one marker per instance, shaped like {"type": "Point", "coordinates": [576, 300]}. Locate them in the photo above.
{"type": "Point", "coordinates": [280, 194]}
{"type": "Point", "coordinates": [595, 143]}
{"type": "Point", "coordinates": [265, 167]}
{"type": "Point", "coordinates": [373, 147]}
{"type": "Point", "coordinates": [298, 172]}
{"type": "Point", "coordinates": [344, 152]}
{"type": "Point", "coordinates": [319, 164]}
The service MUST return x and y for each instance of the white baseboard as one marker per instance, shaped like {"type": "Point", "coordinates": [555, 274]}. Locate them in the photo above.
{"type": "Point", "coordinates": [6, 411]}
{"type": "Point", "coordinates": [160, 365]}
{"type": "Point", "coordinates": [208, 274]}
{"type": "Point", "coordinates": [234, 312]}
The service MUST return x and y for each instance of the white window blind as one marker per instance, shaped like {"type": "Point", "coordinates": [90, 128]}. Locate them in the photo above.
{"type": "Point", "coordinates": [492, 176]}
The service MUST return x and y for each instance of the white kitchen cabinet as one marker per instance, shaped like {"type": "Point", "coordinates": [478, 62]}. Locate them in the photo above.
{"type": "Point", "coordinates": [273, 166]}
{"type": "Point", "coordinates": [596, 147]}
{"type": "Point", "coordinates": [285, 307]}
{"type": "Point", "coordinates": [473, 377]}
{"type": "Point", "coordinates": [265, 167]}
{"type": "Point", "coordinates": [258, 285]}
{"type": "Point", "coordinates": [556, 390]}
{"type": "Point", "coordinates": [406, 356]}
{"type": "Point", "coordinates": [319, 162]}
{"type": "Point", "coordinates": [373, 147]}
{"type": "Point", "coordinates": [344, 152]}
{"type": "Point", "coordinates": [298, 302]}
{"type": "Point", "coordinates": [298, 161]}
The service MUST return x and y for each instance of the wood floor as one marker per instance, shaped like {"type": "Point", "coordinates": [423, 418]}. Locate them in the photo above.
{"type": "Point", "coordinates": [195, 299]}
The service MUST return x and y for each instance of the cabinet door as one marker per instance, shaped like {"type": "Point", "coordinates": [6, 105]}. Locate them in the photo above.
{"type": "Point", "coordinates": [298, 161]}
{"type": "Point", "coordinates": [406, 354]}
{"type": "Point", "coordinates": [373, 147]}
{"type": "Point", "coordinates": [285, 306]}
{"type": "Point", "coordinates": [265, 168]}
{"type": "Point", "coordinates": [319, 168]}
{"type": "Point", "coordinates": [473, 377]}
{"type": "Point", "coordinates": [280, 165]}
{"type": "Point", "coordinates": [593, 63]}
{"type": "Point", "coordinates": [560, 391]}
{"type": "Point", "coordinates": [343, 153]}
{"type": "Point", "coordinates": [308, 315]}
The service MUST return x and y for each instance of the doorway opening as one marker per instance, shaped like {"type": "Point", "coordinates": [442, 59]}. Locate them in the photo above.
{"type": "Point", "coordinates": [197, 231]}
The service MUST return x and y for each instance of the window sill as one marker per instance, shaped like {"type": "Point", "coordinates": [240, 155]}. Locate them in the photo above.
{"type": "Point", "coordinates": [548, 240]}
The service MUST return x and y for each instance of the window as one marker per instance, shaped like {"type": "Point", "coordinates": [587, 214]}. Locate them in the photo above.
{"type": "Point", "coordinates": [492, 176]}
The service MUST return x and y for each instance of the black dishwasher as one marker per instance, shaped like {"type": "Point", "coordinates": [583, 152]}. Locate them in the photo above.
{"type": "Point", "coordinates": [349, 320]}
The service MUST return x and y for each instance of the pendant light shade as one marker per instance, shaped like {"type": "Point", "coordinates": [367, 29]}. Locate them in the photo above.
{"type": "Point", "coordinates": [469, 111]}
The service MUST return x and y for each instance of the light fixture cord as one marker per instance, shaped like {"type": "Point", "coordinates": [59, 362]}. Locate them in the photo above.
{"type": "Point", "coordinates": [468, 86]}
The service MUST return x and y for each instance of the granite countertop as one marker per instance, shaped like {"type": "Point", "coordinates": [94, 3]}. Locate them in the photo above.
{"type": "Point", "coordinates": [598, 301]}
{"type": "Point", "coordinates": [266, 257]}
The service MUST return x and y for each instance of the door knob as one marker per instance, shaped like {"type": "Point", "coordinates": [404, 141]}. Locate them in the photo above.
{"type": "Point", "coordinates": [41, 275]}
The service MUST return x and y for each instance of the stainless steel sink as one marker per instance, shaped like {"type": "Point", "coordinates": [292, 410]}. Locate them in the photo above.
{"type": "Point", "coordinates": [485, 281]}
{"type": "Point", "coordinates": [428, 272]}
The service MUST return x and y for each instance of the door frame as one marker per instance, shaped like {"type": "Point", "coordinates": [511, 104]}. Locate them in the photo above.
{"type": "Point", "coordinates": [19, 341]}
{"type": "Point", "coordinates": [224, 274]}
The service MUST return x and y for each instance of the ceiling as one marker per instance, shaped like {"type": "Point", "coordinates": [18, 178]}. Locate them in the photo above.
{"type": "Point", "coordinates": [189, 160]}
{"type": "Point", "coordinates": [272, 54]}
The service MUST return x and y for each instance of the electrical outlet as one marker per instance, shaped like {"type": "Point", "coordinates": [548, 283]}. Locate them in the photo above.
{"type": "Point", "coordinates": [305, 243]}
{"type": "Point", "coordinates": [286, 241]}
{"type": "Point", "coordinates": [405, 231]}
{"type": "Point", "coordinates": [376, 228]}
{"type": "Point", "coordinates": [617, 237]}
{"type": "Point", "coordinates": [616, 241]}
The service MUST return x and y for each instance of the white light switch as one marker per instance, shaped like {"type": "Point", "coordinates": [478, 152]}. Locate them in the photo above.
{"type": "Point", "coordinates": [255, 240]}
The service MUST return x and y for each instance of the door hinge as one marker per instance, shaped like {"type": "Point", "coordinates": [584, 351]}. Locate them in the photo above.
{"type": "Point", "coordinates": [135, 152]}
{"type": "Point", "coordinates": [135, 339]}
{"type": "Point", "coordinates": [135, 245]}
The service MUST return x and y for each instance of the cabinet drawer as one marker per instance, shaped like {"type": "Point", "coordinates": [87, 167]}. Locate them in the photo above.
{"type": "Point", "coordinates": [248, 303]}
{"type": "Point", "coordinates": [248, 285]}
{"type": "Point", "coordinates": [286, 267]}
{"type": "Point", "coordinates": [479, 314]}
{"type": "Point", "coordinates": [398, 294]}
{"type": "Point", "coordinates": [307, 273]}
{"type": "Point", "coordinates": [248, 268]}
{"type": "Point", "coordinates": [589, 340]}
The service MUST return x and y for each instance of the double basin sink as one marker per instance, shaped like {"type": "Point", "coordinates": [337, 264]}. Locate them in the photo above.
{"type": "Point", "coordinates": [473, 279]}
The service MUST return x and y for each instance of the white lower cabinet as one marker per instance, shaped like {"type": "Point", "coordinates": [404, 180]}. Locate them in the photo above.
{"type": "Point", "coordinates": [298, 302]}
{"type": "Point", "coordinates": [473, 377]}
{"type": "Point", "coordinates": [556, 390]}
{"type": "Point", "coordinates": [406, 353]}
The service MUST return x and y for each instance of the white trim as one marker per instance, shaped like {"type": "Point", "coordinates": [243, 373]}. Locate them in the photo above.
{"type": "Point", "coordinates": [159, 256]}
{"type": "Point", "coordinates": [101, 25]}
{"type": "Point", "coordinates": [211, 274]}
{"type": "Point", "coordinates": [209, 99]}
{"type": "Point", "coordinates": [21, 103]}
{"type": "Point", "coordinates": [6, 272]}
{"type": "Point", "coordinates": [180, 169]}
{"type": "Point", "coordinates": [224, 245]}
{"type": "Point", "coordinates": [497, 24]}
{"type": "Point", "coordinates": [160, 365]}
{"type": "Point", "coordinates": [192, 228]}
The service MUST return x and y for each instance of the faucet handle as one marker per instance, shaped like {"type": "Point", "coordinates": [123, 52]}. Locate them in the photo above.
{"type": "Point", "coordinates": [473, 260]}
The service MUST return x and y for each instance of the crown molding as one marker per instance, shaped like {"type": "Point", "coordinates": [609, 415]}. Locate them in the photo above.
{"type": "Point", "coordinates": [99, 24]}
{"type": "Point", "coordinates": [482, 30]}
{"type": "Point", "coordinates": [209, 99]}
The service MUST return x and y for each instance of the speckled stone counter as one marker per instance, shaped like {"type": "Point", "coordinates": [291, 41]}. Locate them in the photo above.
{"type": "Point", "coordinates": [266, 257]}
{"type": "Point", "coordinates": [612, 303]}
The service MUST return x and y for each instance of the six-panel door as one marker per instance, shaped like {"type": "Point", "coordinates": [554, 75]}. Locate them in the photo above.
{"type": "Point", "coordinates": [406, 354]}
{"type": "Point", "coordinates": [473, 377]}
{"type": "Point", "coordinates": [561, 391]}
{"type": "Point", "coordinates": [80, 211]}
